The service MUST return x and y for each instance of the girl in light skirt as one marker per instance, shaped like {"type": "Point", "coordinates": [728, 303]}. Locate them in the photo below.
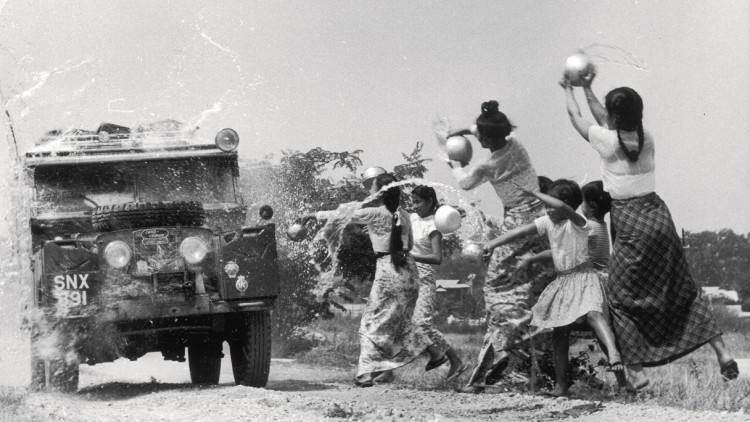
{"type": "Point", "coordinates": [577, 294]}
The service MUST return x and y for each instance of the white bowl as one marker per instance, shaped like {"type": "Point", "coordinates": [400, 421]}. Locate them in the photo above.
{"type": "Point", "coordinates": [447, 219]}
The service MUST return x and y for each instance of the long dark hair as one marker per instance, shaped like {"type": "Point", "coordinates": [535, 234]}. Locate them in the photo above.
{"type": "Point", "coordinates": [597, 199]}
{"type": "Point", "coordinates": [391, 201]}
{"type": "Point", "coordinates": [492, 123]}
{"type": "Point", "coordinates": [625, 107]}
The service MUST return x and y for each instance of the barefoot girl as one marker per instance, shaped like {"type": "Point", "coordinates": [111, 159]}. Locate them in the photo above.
{"type": "Point", "coordinates": [388, 338]}
{"type": "Point", "coordinates": [658, 314]}
{"type": "Point", "coordinates": [577, 293]}
{"type": "Point", "coordinates": [508, 293]}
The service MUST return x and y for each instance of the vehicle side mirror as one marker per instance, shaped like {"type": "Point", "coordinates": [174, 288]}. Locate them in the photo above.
{"type": "Point", "coordinates": [266, 212]}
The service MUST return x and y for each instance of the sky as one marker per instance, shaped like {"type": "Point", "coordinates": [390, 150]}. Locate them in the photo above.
{"type": "Point", "coordinates": [294, 75]}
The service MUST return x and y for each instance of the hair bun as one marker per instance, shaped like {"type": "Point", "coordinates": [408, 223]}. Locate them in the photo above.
{"type": "Point", "coordinates": [490, 108]}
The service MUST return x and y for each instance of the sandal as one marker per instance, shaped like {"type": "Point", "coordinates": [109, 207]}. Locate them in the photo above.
{"type": "Point", "coordinates": [495, 373]}
{"type": "Point", "coordinates": [461, 369]}
{"type": "Point", "coordinates": [471, 389]}
{"type": "Point", "coordinates": [436, 363]}
{"type": "Point", "coordinates": [730, 370]}
{"type": "Point", "coordinates": [622, 381]}
{"type": "Point", "coordinates": [551, 394]}
{"type": "Point", "coordinates": [633, 389]}
{"type": "Point", "coordinates": [364, 384]}
{"type": "Point", "coordinates": [383, 377]}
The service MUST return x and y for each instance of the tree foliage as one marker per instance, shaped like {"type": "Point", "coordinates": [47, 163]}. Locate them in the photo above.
{"type": "Point", "coordinates": [720, 259]}
{"type": "Point", "coordinates": [414, 166]}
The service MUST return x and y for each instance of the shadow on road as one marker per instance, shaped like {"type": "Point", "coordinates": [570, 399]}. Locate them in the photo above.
{"type": "Point", "coordinates": [124, 391]}
{"type": "Point", "coordinates": [297, 385]}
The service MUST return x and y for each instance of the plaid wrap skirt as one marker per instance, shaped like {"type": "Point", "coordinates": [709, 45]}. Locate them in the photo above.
{"type": "Point", "coordinates": [657, 312]}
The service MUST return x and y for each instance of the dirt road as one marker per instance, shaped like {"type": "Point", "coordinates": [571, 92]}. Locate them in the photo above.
{"type": "Point", "coordinates": [151, 389]}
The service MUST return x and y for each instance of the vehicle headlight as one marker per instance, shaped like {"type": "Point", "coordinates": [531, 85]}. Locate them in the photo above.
{"type": "Point", "coordinates": [227, 140]}
{"type": "Point", "coordinates": [117, 254]}
{"type": "Point", "coordinates": [193, 250]}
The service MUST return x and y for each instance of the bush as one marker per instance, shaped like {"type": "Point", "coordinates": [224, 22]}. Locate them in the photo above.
{"type": "Point", "coordinates": [296, 306]}
{"type": "Point", "coordinates": [729, 322]}
{"type": "Point", "coordinates": [341, 347]}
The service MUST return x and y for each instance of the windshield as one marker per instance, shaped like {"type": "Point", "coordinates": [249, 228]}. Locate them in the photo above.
{"type": "Point", "coordinates": [83, 187]}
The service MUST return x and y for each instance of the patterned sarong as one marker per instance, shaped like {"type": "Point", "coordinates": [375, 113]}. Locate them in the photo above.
{"type": "Point", "coordinates": [510, 293]}
{"type": "Point", "coordinates": [658, 314]}
{"type": "Point", "coordinates": [388, 338]}
{"type": "Point", "coordinates": [425, 309]}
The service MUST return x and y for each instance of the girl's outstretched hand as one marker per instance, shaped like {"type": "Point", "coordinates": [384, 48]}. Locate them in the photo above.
{"type": "Point", "coordinates": [487, 252]}
{"type": "Point", "coordinates": [565, 83]}
{"type": "Point", "coordinates": [524, 262]}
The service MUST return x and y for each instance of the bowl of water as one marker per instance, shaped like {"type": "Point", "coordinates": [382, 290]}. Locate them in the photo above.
{"type": "Point", "coordinates": [577, 67]}
{"type": "Point", "coordinates": [459, 149]}
{"type": "Point", "coordinates": [296, 232]}
{"type": "Point", "coordinates": [473, 252]}
{"type": "Point", "coordinates": [447, 219]}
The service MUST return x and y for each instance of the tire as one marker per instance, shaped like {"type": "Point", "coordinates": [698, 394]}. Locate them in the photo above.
{"type": "Point", "coordinates": [38, 373]}
{"type": "Point", "coordinates": [204, 360]}
{"type": "Point", "coordinates": [250, 348]}
{"type": "Point", "coordinates": [136, 215]}
{"type": "Point", "coordinates": [54, 373]}
{"type": "Point", "coordinates": [63, 376]}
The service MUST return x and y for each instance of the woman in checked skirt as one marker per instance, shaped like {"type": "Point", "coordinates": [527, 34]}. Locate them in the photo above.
{"type": "Point", "coordinates": [658, 314]}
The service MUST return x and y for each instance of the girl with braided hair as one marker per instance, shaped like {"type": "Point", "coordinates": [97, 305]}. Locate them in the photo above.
{"type": "Point", "coordinates": [658, 314]}
{"type": "Point", "coordinates": [388, 337]}
{"type": "Point", "coordinates": [509, 291]}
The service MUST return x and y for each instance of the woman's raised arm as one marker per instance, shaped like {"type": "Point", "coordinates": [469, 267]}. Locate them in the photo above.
{"type": "Point", "coordinates": [579, 123]}
{"type": "Point", "coordinates": [597, 109]}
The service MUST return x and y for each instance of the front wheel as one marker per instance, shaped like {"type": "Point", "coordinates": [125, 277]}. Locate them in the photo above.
{"type": "Point", "coordinates": [250, 348]}
{"type": "Point", "coordinates": [56, 370]}
{"type": "Point", "coordinates": [204, 360]}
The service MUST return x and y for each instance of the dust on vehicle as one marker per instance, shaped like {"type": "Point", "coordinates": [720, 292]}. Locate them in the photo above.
{"type": "Point", "coordinates": [140, 245]}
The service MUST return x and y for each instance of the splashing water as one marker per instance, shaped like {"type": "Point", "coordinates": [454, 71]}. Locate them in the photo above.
{"type": "Point", "coordinates": [473, 229]}
{"type": "Point", "coordinates": [15, 291]}
{"type": "Point", "coordinates": [604, 53]}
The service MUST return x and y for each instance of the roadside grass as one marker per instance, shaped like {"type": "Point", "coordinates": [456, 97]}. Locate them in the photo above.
{"type": "Point", "coordinates": [341, 348]}
{"type": "Point", "coordinates": [692, 382]}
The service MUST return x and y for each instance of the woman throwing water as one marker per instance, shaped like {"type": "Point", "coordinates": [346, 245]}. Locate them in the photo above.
{"type": "Point", "coordinates": [509, 292]}
{"type": "Point", "coordinates": [657, 311]}
{"type": "Point", "coordinates": [388, 337]}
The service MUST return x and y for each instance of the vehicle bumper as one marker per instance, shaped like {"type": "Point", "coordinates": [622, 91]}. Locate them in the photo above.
{"type": "Point", "coordinates": [130, 310]}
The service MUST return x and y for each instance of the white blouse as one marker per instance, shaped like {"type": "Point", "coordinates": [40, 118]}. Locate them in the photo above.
{"type": "Point", "coordinates": [621, 177]}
